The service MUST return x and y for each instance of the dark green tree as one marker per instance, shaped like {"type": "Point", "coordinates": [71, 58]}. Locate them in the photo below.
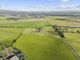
{"type": "Point", "coordinates": [59, 31]}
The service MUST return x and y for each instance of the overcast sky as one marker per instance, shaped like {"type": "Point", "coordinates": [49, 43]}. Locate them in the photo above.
{"type": "Point", "coordinates": [40, 5]}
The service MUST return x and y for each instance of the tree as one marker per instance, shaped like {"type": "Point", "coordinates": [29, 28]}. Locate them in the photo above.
{"type": "Point", "coordinates": [59, 31]}
{"type": "Point", "coordinates": [78, 31]}
{"type": "Point", "coordinates": [61, 34]}
{"type": "Point", "coordinates": [38, 29]}
{"type": "Point", "coordinates": [56, 28]}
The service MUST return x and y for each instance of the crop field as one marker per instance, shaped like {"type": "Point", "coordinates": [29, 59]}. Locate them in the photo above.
{"type": "Point", "coordinates": [38, 40]}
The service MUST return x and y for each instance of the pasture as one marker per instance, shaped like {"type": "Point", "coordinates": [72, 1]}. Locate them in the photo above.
{"type": "Point", "coordinates": [43, 45]}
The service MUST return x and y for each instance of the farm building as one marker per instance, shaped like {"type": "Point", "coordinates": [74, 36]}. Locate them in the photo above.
{"type": "Point", "coordinates": [11, 54]}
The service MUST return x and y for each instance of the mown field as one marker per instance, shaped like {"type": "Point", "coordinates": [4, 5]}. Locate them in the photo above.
{"type": "Point", "coordinates": [43, 45]}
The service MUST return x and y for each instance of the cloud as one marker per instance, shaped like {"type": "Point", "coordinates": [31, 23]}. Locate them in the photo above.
{"type": "Point", "coordinates": [47, 0]}
{"type": "Point", "coordinates": [2, 6]}
{"type": "Point", "coordinates": [64, 0]}
{"type": "Point", "coordinates": [50, 0]}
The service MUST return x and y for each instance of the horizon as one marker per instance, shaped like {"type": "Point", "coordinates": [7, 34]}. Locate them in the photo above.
{"type": "Point", "coordinates": [40, 5]}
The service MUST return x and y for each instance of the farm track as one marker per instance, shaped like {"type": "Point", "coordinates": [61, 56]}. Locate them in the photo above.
{"type": "Point", "coordinates": [12, 32]}
{"type": "Point", "coordinates": [9, 32]}
{"type": "Point", "coordinates": [10, 22]}
{"type": "Point", "coordinates": [73, 50]}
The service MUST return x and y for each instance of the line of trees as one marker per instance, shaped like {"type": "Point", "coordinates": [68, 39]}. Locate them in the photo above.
{"type": "Point", "coordinates": [59, 31]}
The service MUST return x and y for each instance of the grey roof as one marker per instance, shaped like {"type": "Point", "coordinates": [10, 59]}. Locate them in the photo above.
{"type": "Point", "coordinates": [14, 58]}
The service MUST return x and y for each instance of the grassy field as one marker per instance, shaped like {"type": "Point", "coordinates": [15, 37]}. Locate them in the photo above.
{"type": "Point", "coordinates": [38, 47]}
{"type": "Point", "coordinates": [43, 45]}
{"type": "Point", "coordinates": [26, 24]}
{"type": "Point", "coordinates": [74, 40]}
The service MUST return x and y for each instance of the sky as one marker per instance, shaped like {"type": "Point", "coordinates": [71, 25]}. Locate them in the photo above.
{"type": "Point", "coordinates": [40, 5]}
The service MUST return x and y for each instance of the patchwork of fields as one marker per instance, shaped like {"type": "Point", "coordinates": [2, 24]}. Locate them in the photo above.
{"type": "Point", "coordinates": [43, 45]}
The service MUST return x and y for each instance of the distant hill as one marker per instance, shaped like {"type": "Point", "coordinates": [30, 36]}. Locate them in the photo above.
{"type": "Point", "coordinates": [39, 13]}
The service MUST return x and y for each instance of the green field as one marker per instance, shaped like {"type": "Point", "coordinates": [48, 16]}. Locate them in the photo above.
{"type": "Point", "coordinates": [43, 45]}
